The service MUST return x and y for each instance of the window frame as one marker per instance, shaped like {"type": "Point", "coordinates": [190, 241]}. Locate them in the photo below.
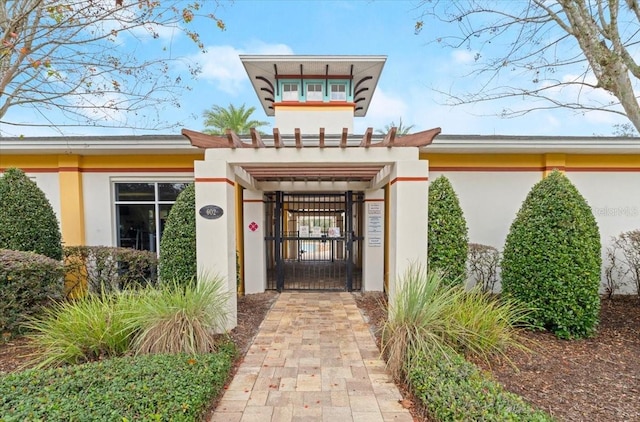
{"type": "Point", "coordinates": [343, 91]}
{"type": "Point", "coordinates": [285, 91]}
{"type": "Point", "coordinates": [156, 203]}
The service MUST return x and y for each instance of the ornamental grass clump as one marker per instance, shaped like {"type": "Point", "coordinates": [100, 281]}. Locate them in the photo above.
{"type": "Point", "coordinates": [551, 261]}
{"type": "Point", "coordinates": [177, 318]}
{"type": "Point", "coordinates": [83, 330]}
{"type": "Point", "coordinates": [428, 317]}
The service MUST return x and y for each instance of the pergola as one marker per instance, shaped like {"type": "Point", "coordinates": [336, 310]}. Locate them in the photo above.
{"type": "Point", "coordinates": [386, 168]}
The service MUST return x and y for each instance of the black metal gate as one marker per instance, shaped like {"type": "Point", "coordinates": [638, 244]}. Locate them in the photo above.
{"type": "Point", "coordinates": [313, 241]}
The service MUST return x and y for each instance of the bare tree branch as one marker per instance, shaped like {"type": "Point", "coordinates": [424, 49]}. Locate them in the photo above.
{"type": "Point", "coordinates": [86, 58]}
{"type": "Point", "coordinates": [543, 45]}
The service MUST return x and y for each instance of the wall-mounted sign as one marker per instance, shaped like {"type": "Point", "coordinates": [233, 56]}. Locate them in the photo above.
{"type": "Point", "coordinates": [253, 226]}
{"type": "Point", "coordinates": [211, 212]}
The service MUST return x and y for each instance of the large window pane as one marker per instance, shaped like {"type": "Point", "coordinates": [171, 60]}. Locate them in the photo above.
{"type": "Point", "coordinates": [170, 191]}
{"type": "Point", "coordinates": [135, 192]}
{"type": "Point", "coordinates": [137, 226]}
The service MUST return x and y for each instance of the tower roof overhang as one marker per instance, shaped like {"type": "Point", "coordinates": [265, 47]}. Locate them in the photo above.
{"type": "Point", "coordinates": [363, 72]}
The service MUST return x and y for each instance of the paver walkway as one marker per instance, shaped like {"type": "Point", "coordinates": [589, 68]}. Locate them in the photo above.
{"type": "Point", "coordinates": [314, 359]}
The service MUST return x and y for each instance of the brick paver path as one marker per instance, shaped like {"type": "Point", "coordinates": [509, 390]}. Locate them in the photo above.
{"type": "Point", "coordinates": [314, 359]}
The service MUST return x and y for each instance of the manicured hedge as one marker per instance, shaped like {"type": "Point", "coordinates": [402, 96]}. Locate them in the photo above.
{"type": "Point", "coordinates": [28, 283]}
{"type": "Point", "coordinates": [178, 244]}
{"type": "Point", "coordinates": [551, 261]}
{"type": "Point", "coordinates": [452, 389]}
{"type": "Point", "coordinates": [447, 232]}
{"type": "Point", "coordinates": [149, 387]}
{"type": "Point", "coordinates": [27, 220]}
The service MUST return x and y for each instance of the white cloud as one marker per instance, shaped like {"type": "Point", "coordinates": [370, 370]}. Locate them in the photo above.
{"type": "Point", "coordinates": [384, 109]}
{"type": "Point", "coordinates": [222, 67]}
{"type": "Point", "coordinates": [463, 56]}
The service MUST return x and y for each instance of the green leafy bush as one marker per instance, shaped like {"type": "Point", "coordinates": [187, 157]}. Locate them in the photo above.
{"type": "Point", "coordinates": [552, 259]}
{"type": "Point", "coordinates": [452, 389]}
{"type": "Point", "coordinates": [178, 243]}
{"type": "Point", "coordinates": [152, 387]}
{"type": "Point", "coordinates": [27, 221]}
{"type": "Point", "coordinates": [180, 319]}
{"type": "Point", "coordinates": [104, 269]}
{"type": "Point", "coordinates": [428, 316]}
{"type": "Point", "coordinates": [28, 283]}
{"type": "Point", "coordinates": [83, 330]}
{"type": "Point", "coordinates": [447, 232]}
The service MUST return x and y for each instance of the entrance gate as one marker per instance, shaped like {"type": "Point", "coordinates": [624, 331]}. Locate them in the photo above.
{"type": "Point", "coordinates": [313, 241]}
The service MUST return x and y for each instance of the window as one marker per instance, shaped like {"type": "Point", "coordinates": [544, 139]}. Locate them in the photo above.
{"type": "Point", "coordinates": [314, 92]}
{"type": "Point", "coordinates": [338, 92]}
{"type": "Point", "coordinates": [290, 92]}
{"type": "Point", "coordinates": [141, 211]}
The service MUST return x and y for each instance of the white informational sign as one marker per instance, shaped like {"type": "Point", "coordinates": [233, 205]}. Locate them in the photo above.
{"type": "Point", "coordinates": [304, 231]}
{"type": "Point", "coordinates": [374, 224]}
{"type": "Point", "coordinates": [316, 231]}
{"type": "Point", "coordinates": [334, 232]}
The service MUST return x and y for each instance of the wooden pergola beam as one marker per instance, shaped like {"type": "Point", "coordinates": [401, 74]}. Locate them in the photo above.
{"type": "Point", "coordinates": [277, 141]}
{"type": "Point", "coordinates": [390, 137]}
{"type": "Point", "coordinates": [298, 137]}
{"type": "Point", "coordinates": [233, 139]}
{"type": "Point", "coordinates": [256, 140]}
{"type": "Point", "coordinates": [366, 139]}
{"type": "Point", "coordinates": [343, 139]}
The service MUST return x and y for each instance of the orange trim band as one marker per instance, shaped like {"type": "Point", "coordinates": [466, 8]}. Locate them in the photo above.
{"type": "Point", "coordinates": [605, 169]}
{"type": "Point", "coordinates": [215, 180]}
{"type": "Point", "coordinates": [497, 169]}
{"type": "Point", "coordinates": [138, 170]}
{"type": "Point", "coordinates": [106, 170]}
{"type": "Point", "coordinates": [409, 179]}
{"type": "Point", "coordinates": [314, 104]}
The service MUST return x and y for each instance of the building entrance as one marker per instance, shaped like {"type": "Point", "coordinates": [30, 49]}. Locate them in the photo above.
{"type": "Point", "coordinates": [313, 241]}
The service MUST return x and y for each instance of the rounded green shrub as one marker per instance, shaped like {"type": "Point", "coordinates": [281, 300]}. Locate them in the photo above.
{"type": "Point", "coordinates": [448, 238]}
{"type": "Point", "coordinates": [28, 283]}
{"type": "Point", "coordinates": [27, 221]}
{"type": "Point", "coordinates": [178, 243]}
{"type": "Point", "coordinates": [552, 259]}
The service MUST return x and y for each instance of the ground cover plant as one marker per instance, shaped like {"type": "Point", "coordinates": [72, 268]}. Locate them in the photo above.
{"type": "Point", "coordinates": [551, 260]}
{"type": "Point", "coordinates": [151, 387]}
{"type": "Point", "coordinates": [447, 232]}
{"type": "Point", "coordinates": [27, 220]}
{"type": "Point", "coordinates": [452, 389]}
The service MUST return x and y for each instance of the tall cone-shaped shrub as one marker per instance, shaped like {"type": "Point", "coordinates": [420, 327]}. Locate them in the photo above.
{"type": "Point", "coordinates": [447, 233]}
{"type": "Point", "coordinates": [178, 244]}
{"type": "Point", "coordinates": [27, 220]}
{"type": "Point", "coordinates": [551, 260]}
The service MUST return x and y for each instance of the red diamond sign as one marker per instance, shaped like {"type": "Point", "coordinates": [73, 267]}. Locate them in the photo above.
{"type": "Point", "coordinates": [253, 226]}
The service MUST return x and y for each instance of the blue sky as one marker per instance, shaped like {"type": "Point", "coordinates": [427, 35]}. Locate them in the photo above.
{"type": "Point", "coordinates": [415, 70]}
